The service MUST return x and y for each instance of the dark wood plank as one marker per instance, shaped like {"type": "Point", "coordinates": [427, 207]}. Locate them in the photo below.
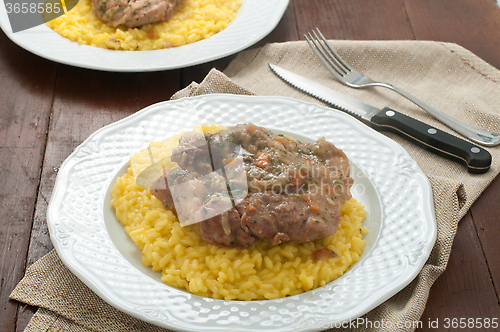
{"type": "Point", "coordinates": [87, 100]}
{"type": "Point", "coordinates": [82, 106]}
{"type": "Point", "coordinates": [197, 73]}
{"type": "Point", "coordinates": [26, 85]}
{"type": "Point", "coordinates": [464, 290]}
{"type": "Point", "coordinates": [286, 30]}
{"type": "Point", "coordinates": [157, 86]}
{"type": "Point", "coordinates": [473, 24]}
{"type": "Point", "coordinates": [486, 212]}
{"type": "Point", "coordinates": [354, 19]}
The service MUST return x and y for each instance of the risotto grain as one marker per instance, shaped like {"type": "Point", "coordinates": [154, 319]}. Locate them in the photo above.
{"type": "Point", "coordinates": [262, 271]}
{"type": "Point", "coordinates": [193, 20]}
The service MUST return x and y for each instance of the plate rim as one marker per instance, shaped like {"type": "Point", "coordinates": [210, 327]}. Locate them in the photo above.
{"type": "Point", "coordinates": [428, 196]}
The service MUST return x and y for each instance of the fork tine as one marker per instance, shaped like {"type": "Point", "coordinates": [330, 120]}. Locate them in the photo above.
{"type": "Point", "coordinates": [320, 53]}
{"type": "Point", "coordinates": [332, 52]}
{"type": "Point", "coordinates": [328, 54]}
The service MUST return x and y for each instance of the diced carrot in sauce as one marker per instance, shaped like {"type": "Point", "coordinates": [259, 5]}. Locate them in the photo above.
{"type": "Point", "coordinates": [296, 182]}
{"type": "Point", "coordinates": [250, 208]}
{"type": "Point", "coordinates": [150, 34]}
{"type": "Point", "coordinates": [263, 160]}
{"type": "Point", "coordinates": [313, 206]}
{"type": "Point", "coordinates": [329, 189]}
{"type": "Point", "coordinates": [251, 128]}
{"type": "Point", "coordinates": [280, 139]}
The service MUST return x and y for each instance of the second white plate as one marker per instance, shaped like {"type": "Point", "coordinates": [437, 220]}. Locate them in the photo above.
{"type": "Point", "coordinates": [255, 19]}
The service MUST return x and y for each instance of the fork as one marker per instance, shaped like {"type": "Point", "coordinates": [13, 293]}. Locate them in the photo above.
{"type": "Point", "coordinates": [350, 77]}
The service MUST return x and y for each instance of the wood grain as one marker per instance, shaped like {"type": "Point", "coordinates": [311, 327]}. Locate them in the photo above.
{"type": "Point", "coordinates": [354, 19]}
{"type": "Point", "coordinates": [26, 85]}
{"type": "Point", "coordinates": [473, 24]}
{"type": "Point", "coordinates": [286, 30]}
{"type": "Point", "coordinates": [457, 294]}
{"type": "Point", "coordinates": [82, 106]}
{"type": "Point", "coordinates": [46, 110]}
{"type": "Point", "coordinates": [486, 215]}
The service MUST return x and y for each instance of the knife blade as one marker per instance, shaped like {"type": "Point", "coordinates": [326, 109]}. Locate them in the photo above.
{"type": "Point", "coordinates": [477, 159]}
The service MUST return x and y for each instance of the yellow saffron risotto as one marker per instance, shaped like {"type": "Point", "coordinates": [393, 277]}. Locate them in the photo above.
{"type": "Point", "coordinates": [260, 272]}
{"type": "Point", "coordinates": [192, 20]}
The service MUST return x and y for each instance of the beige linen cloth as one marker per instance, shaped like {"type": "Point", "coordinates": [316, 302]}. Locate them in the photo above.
{"type": "Point", "coordinates": [445, 75]}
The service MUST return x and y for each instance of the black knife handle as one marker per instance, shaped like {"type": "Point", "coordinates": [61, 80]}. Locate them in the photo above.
{"type": "Point", "coordinates": [477, 159]}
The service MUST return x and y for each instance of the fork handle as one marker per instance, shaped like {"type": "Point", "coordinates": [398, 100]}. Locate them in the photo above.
{"type": "Point", "coordinates": [477, 159]}
{"type": "Point", "coordinates": [475, 134]}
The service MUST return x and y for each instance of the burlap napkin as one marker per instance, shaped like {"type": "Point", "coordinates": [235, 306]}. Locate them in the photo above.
{"type": "Point", "coordinates": [444, 75]}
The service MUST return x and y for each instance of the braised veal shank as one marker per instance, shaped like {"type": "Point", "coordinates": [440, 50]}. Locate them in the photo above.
{"type": "Point", "coordinates": [269, 186]}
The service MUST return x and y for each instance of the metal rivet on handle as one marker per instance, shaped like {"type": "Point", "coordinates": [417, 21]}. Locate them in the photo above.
{"type": "Point", "coordinates": [390, 113]}
{"type": "Point", "coordinates": [475, 150]}
{"type": "Point", "coordinates": [432, 131]}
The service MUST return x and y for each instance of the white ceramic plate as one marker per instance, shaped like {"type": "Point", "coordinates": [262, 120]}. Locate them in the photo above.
{"type": "Point", "coordinates": [255, 19]}
{"type": "Point", "coordinates": [94, 246]}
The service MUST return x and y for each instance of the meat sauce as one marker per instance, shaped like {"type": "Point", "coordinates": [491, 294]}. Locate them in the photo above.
{"type": "Point", "coordinates": [276, 188]}
{"type": "Point", "coordinates": [133, 13]}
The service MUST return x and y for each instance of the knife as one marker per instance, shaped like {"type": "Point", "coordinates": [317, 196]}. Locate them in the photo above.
{"type": "Point", "coordinates": [477, 159]}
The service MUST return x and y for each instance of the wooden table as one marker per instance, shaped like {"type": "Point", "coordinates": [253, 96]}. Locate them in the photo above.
{"type": "Point", "coordinates": [47, 109]}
